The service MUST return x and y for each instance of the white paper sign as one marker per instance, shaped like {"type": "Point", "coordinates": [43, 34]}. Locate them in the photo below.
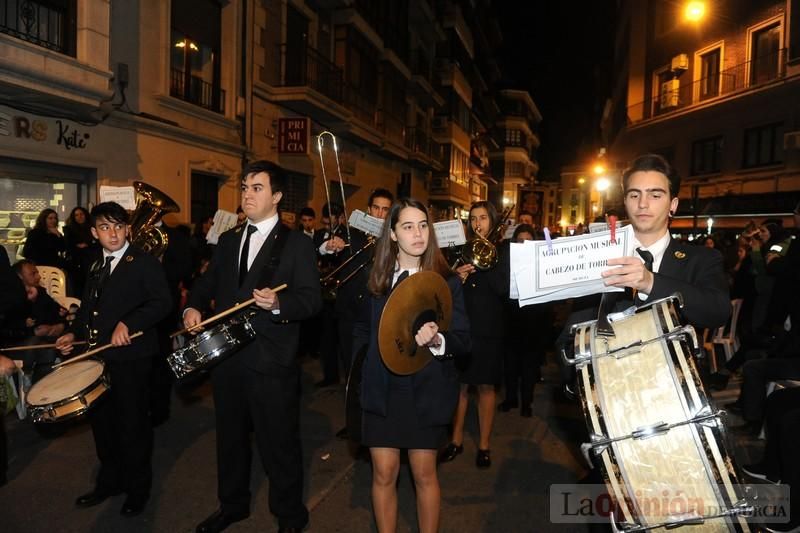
{"type": "Point", "coordinates": [223, 221]}
{"type": "Point", "coordinates": [366, 223]}
{"type": "Point", "coordinates": [571, 268]}
{"type": "Point", "coordinates": [124, 196]}
{"type": "Point", "coordinates": [449, 233]}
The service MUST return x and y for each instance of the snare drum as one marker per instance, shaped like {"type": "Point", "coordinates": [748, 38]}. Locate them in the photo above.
{"type": "Point", "coordinates": [651, 425]}
{"type": "Point", "coordinates": [212, 346]}
{"type": "Point", "coordinates": [68, 391]}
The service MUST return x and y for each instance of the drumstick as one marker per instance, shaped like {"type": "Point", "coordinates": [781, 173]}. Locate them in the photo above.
{"type": "Point", "coordinates": [35, 347]}
{"type": "Point", "coordinates": [233, 309]}
{"type": "Point", "coordinates": [92, 352]}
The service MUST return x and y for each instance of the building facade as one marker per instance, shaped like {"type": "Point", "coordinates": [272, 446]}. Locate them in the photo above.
{"type": "Point", "coordinates": [182, 93]}
{"type": "Point", "coordinates": [717, 96]}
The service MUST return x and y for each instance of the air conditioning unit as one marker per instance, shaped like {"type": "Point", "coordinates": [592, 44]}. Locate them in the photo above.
{"type": "Point", "coordinates": [669, 94]}
{"type": "Point", "coordinates": [680, 63]}
{"type": "Point", "coordinates": [791, 140]}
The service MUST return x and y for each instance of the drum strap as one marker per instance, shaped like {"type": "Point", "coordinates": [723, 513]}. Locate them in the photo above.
{"type": "Point", "coordinates": [280, 238]}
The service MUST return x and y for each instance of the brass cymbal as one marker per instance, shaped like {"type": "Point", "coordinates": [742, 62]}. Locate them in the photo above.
{"type": "Point", "coordinates": [423, 297]}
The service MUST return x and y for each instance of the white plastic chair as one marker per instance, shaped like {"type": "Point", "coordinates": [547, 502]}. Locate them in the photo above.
{"type": "Point", "coordinates": [53, 280]}
{"type": "Point", "coordinates": [67, 301]}
{"type": "Point", "coordinates": [729, 340]}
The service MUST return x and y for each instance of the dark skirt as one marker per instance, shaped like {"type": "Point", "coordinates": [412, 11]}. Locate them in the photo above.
{"type": "Point", "coordinates": [484, 364]}
{"type": "Point", "coordinates": [400, 428]}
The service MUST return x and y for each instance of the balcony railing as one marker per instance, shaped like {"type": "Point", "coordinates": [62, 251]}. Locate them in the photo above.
{"type": "Point", "coordinates": [306, 67]}
{"type": "Point", "coordinates": [196, 91]}
{"type": "Point", "coordinates": [47, 23]}
{"type": "Point", "coordinates": [417, 141]}
{"type": "Point", "coordinates": [745, 76]}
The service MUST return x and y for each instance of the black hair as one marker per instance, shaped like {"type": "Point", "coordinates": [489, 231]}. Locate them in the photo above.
{"type": "Point", "coordinates": [308, 212]}
{"type": "Point", "coordinates": [111, 211]}
{"type": "Point", "coordinates": [17, 267]}
{"type": "Point", "coordinates": [239, 210]}
{"type": "Point", "coordinates": [334, 207]}
{"type": "Point", "coordinates": [278, 179]}
{"type": "Point", "coordinates": [493, 217]}
{"type": "Point", "coordinates": [41, 219]}
{"type": "Point", "coordinates": [523, 228]}
{"type": "Point", "coordinates": [655, 163]}
{"type": "Point", "coordinates": [380, 193]}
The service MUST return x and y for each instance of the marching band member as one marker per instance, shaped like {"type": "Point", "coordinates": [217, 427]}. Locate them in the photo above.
{"type": "Point", "coordinates": [126, 292]}
{"type": "Point", "coordinates": [257, 388]}
{"type": "Point", "coordinates": [410, 412]}
{"type": "Point", "coordinates": [485, 294]}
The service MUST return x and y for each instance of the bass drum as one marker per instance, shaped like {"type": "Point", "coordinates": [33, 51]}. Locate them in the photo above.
{"type": "Point", "coordinates": [652, 428]}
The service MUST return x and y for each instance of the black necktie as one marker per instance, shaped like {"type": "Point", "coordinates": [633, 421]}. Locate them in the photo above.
{"type": "Point", "coordinates": [245, 254]}
{"type": "Point", "coordinates": [403, 275]}
{"type": "Point", "coordinates": [105, 273]}
{"type": "Point", "coordinates": [648, 258]}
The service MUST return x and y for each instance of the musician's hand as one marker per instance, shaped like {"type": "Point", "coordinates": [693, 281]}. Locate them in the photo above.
{"type": "Point", "coordinates": [120, 335]}
{"type": "Point", "coordinates": [31, 293]}
{"type": "Point", "coordinates": [630, 272]}
{"type": "Point", "coordinates": [64, 343]}
{"type": "Point", "coordinates": [7, 366]}
{"type": "Point", "coordinates": [191, 318]}
{"type": "Point", "coordinates": [266, 299]}
{"type": "Point", "coordinates": [428, 335]}
{"type": "Point", "coordinates": [29, 322]}
{"type": "Point", "coordinates": [464, 271]}
{"type": "Point", "coordinates": [335, 244]}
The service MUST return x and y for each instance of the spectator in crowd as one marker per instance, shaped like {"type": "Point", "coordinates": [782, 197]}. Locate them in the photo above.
{"type": "Point", "coordinates": [307, 219]}
{"type": "Point", "coordinates": [201, 250]}
{"type": "Point", "coordinates": [44, 244]}
{"type": "Point", "coordinates": [240, 216]}
{"type": "Point", "coordinates": [81, 249]}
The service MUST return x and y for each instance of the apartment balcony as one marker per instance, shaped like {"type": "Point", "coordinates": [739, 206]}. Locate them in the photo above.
{"type": "Point", "coordinates": [451, 75]}
{"type": "Point", "coordinates": [55, 56]}
{"type": "Point", "coordinates": [422, 83]}
{"type": "Point", "coordinates": [444, 189]}
{"type": "Point", "coordinates": [196, 91]}
{"type": "Point", "coordinates": [735, 81]}
{"type": "Point", "coordinates": [446, 131]}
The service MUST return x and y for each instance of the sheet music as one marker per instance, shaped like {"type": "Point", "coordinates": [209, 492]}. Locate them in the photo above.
{"type": "Point", "coordinates": [449, 233]}
{"type": "Point", "coordinates": [366, 223]}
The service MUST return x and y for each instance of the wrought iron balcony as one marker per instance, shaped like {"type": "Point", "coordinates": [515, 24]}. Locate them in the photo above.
{"type": "Point", "coordinates": [50, 24]}
{"type": "Point", "coordinates": [745, 76]}
{"type": "Point", "coordinates": [196, 91]}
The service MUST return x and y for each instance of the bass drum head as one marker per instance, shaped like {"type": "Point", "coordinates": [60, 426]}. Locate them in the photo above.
{"type": "Point", "coordinates": [65, 382]}
{"type": "Point", "coordinates": [353, 396]}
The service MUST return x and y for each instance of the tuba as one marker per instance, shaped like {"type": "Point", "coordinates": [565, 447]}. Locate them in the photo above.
{"type": "Point", "coordinates": [151, 205]}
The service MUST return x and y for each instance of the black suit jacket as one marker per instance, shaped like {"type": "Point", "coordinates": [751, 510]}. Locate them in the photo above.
{"type": "Point", "coordinates": [277, 334]}
{"type": "Point", "coordinates": [486, 296]}
{"type": "Point", "coordinates": [136, 294]}
{"type": "Point", "coordinates": [435, 386]}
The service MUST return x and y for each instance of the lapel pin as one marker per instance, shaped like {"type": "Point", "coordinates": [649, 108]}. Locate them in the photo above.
{"type": "Point", "coordinates": [680, 255]}
{"type": "Point", "coordinates": [128, 258]}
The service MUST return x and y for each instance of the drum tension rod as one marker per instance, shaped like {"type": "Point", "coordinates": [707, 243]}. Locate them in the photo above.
{"type": "Point", "coordinates": [600, 443]}
{"type": "Point", "coordinates": [739, 508]}
{"type": "Point", "coordinates": [682, 333]}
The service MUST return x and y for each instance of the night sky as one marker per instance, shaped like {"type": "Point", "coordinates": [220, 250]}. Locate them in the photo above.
{"type": "Point", "coordinates": [561, 52]}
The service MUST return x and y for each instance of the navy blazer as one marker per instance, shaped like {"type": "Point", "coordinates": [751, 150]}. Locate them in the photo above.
{"type": "Point", "coordinates": [435, 386]}
{"type": "Point", "coordinates": [276, 333]}
{"type": "Point", "coordinates": [136, 294]}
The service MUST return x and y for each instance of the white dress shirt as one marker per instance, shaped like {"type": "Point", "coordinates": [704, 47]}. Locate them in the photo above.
{"type": "Point", "coordinates": [657, 249]}
{"type": "Point", "coordinates": [116, 255]}
{"type": "Point", "coordinates": [257, 239]}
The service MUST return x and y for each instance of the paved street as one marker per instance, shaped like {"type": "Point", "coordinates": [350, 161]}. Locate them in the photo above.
{"type": "Point", "coordinates": [529, 455]}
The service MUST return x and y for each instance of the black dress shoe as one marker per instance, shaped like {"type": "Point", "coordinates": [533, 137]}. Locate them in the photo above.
{"type": "Point", "coordinates": [506, 406]}
{"type": "Point", "coordinates": [134, 505]}
{"type": "Point", "coordinates": [734, 407]}
{"type": "Point", "coordinates": [526, 412]}
{"type": "Point", "coordinates": [218, 521]}
{"type": "Point", "coordinates": [450, 452]}
{"type": "Point", "coordinates": [483, 459]}
{"type": "Point", "coordinates": [748, 429]}
{"type": "Point", "coordinates": [97, 496]}
{"type": "Point", "coordinates": [718, 381]}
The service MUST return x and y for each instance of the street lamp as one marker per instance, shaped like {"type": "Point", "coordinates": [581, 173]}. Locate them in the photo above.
{"type": "Point", "coordinates": [710, 224]}
{"type": "Point", "coordinates": [694, 11]}
{"type": "Point", "coordinates": [602, 184]}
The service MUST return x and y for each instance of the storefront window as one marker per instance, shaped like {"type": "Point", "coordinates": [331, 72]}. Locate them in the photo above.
{"type": "Point", "coordinates": [21, 201]}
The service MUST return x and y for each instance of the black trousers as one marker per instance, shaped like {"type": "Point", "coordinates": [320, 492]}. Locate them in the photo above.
{"type": "Point", "coordinates": [782, 426]}
{"type": "Point", "coordinates": [267, 403]}
{"type": "Point", "coordinates": [329, 347]}
{"type": "Point", "coordinates": [756, 376]}
{"type": "Point", "coordinates": [123, 435]}
{"type": "Point", "coordinates": [3, 451]}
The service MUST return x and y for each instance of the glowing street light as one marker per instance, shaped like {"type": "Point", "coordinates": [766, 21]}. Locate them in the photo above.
{"type": "Point", "coordinates": [599, 169]}
{"type": "Point", "coordinates": [710, 224]}
{"type": "Point", "coordinates": [694, 11]}
{"type": "Point", "coordinates": [602, 184]}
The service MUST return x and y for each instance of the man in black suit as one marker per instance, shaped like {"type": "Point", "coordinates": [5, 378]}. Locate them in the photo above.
{"type": "Point", "coordinates": [664, 266]}
{"type": "Point", "coordinates": [126, 293]}
{"type": "Point", "coordinates": [257, 388]}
